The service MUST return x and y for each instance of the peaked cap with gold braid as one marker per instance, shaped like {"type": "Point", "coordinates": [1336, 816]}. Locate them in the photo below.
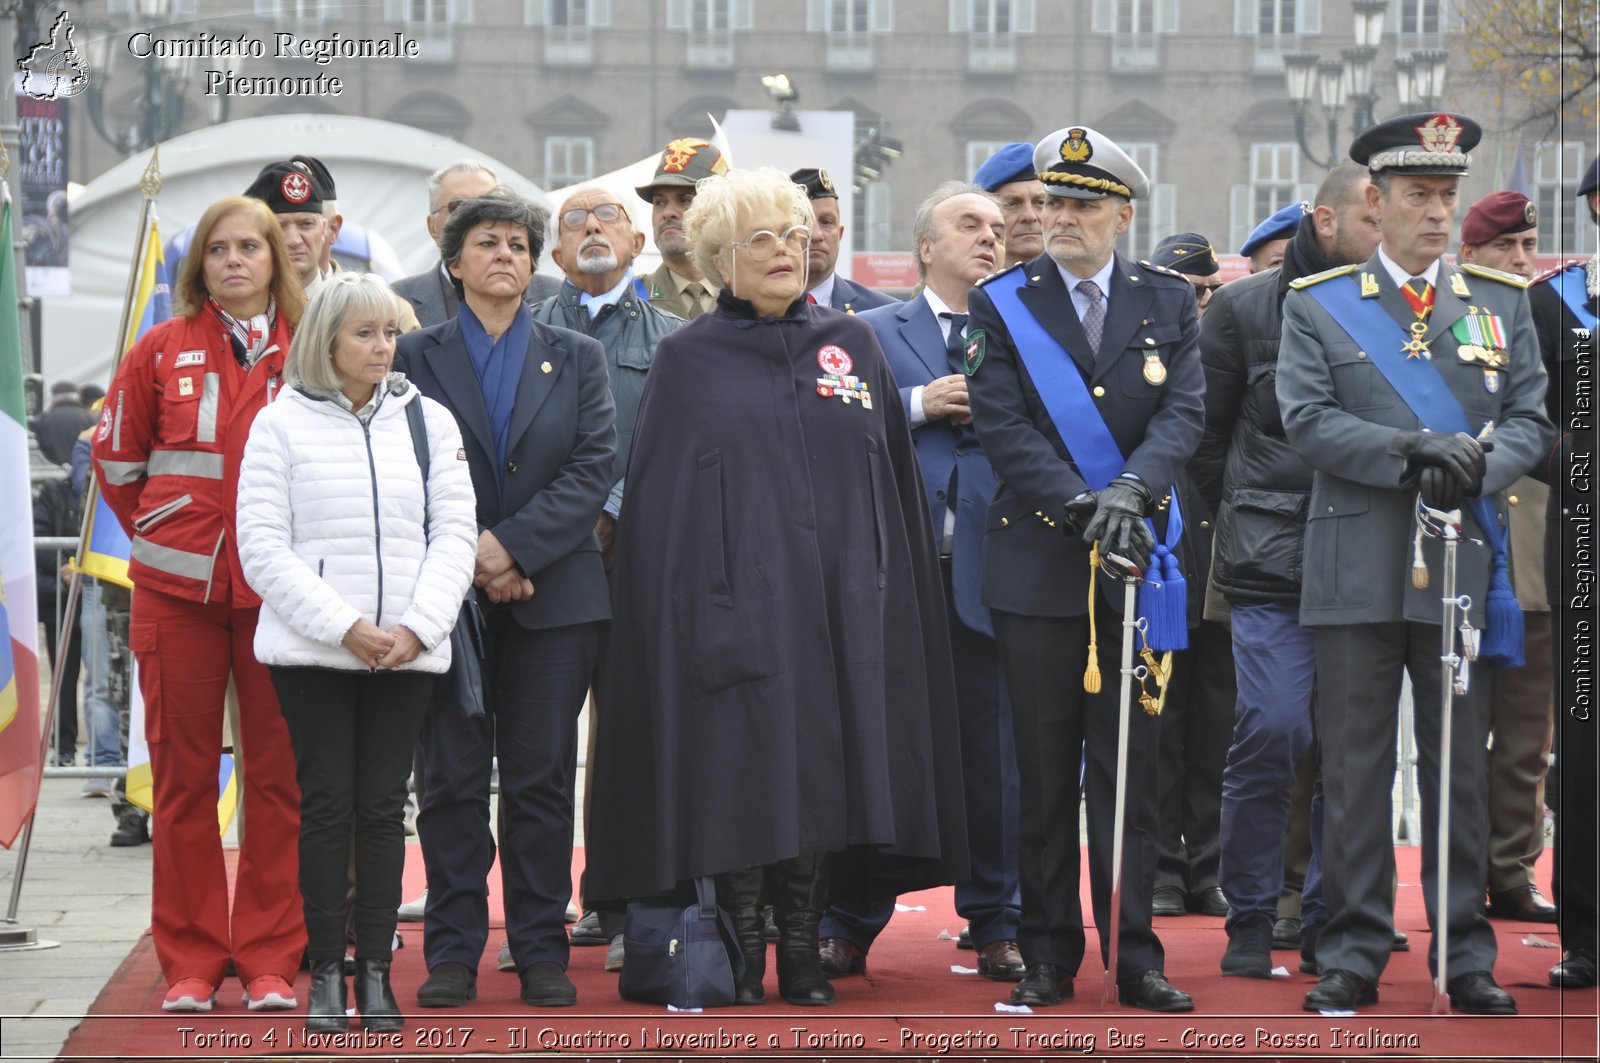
{"type": "Point", "coordinates": [1079, 162]}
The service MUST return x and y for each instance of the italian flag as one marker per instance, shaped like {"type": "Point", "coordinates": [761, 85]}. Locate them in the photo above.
{"type": "Point", "coordinates": [19, 613]}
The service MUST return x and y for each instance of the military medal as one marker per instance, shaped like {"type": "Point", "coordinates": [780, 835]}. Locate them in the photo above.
{"type": "Point", "coordinates": [1415, 347]}
{"type": "Point", "coordinates": [1491, 381]}
{"type": "Point", "coordinates": [1154, 371]}
{"type": "Point", "coordinates": [1481, 337]}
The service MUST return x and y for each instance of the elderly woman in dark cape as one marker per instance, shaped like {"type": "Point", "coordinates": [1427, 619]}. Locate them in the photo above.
{"type": "Point", "coordinates": [778, 685]}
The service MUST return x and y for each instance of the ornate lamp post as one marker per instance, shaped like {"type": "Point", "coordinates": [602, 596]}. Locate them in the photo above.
{"type": "Point", "coordinates": [1349, 79]}
{"type": "Point", "coordinates": [159, 110]}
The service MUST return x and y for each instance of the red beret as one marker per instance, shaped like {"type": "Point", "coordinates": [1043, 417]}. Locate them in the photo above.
{"type": "Point", "coordinates": [1497, 213]}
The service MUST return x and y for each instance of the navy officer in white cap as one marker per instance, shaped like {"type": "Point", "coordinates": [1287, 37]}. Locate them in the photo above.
{"type": "Point", "coordinates": [1086, 389]}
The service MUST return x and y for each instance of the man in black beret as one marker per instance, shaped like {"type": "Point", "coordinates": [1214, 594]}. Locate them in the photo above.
{"type": "Point", "coordinates": [293, 191]}
{"type": "Point", "coordinates": [823, 285]}
{"type": "Point", "coordinates": [1391, 375]}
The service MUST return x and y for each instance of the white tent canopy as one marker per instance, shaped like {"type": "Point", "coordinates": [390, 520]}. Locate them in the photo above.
{"type": "Point", "coordinates": [381, 169]}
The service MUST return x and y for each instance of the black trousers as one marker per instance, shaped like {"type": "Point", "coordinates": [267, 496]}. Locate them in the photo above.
{"type": "Point", "coordinates": [536, 684]}
{"type": "Point", "coordinates": [352, 735]}
{"type": "Point", "coordinates": [1058, 727]}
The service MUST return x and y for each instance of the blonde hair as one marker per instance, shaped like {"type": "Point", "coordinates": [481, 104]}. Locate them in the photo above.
{"type": "Point", "coordinates": [189, 290]}
{"type": "Point", "coordinates": [710, 221]}
{"type": "Point", "coordinates": [309, 366]}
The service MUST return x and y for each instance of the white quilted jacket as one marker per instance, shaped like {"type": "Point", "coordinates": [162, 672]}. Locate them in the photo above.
{"type": "Point", "coordinates": [330, 527]}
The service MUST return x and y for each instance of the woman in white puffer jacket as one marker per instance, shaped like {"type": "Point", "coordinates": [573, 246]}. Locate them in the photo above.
{"type": "Point", "coordinates": [358, 601]}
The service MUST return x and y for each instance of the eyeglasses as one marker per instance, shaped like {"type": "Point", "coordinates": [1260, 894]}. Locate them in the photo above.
{"type": "Point", "coordinates": [575, 217]}
{"type": "Point", "coordinates": [449, 207]}
{"type": "Point", "coordinates": [1203, 292]}
{"type": "Point", "coordinates": [763, 243]}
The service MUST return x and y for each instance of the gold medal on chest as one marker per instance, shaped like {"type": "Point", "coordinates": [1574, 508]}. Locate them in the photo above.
{"type": "Point", "coordinates": [1154, 371]}
{"type": "Point", "coordinates": [1415, 347]}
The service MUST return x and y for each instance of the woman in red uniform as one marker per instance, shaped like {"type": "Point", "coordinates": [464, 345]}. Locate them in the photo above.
{"type": "Point", "coordinates": [167, 455]}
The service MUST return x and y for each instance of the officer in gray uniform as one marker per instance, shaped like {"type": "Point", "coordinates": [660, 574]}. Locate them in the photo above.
{"type": "Point", "coordinates": [1351, 411]}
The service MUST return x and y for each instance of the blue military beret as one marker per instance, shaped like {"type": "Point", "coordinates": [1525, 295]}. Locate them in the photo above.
{"type": "Point", "coordinates": [1014, 162]}
{"type": "Point", "coordinates": [1282, 223]}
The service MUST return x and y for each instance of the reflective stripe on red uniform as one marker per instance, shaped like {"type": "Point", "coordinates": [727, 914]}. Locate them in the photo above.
{"type": "Point", "coordinates": [168, 448]}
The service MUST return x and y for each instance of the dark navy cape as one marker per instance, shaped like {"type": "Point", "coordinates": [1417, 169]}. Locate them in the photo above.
{"type": "Point", "coordinates": [778, 676]}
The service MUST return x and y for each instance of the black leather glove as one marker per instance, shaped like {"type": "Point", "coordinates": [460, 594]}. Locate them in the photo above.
{"type": "Point", "coordinates": [1077, 514]}
{"type": "Point", "coordinates": [1119, 521]}
{"type": "Point", "coordinates": [1457, 454]}
{"type": "Point", "coordinates": [1439, 489]}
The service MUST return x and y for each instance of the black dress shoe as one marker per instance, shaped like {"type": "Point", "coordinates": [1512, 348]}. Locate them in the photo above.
{"type": "Point", "coordinates": [1152, 992]}
{"type": "Point", "coordinates": [1249, 953]}
{"type": "Point", "coordinates": [964, 939]}
{"type": "Point", "coordinates": [1001, 961]}
{"type": "Point", "coordinates": [1286, 933]}
{"type": "Point", "coordinates": [1525, 903]}
{"type": "Point", "coordinates": [840, 958]}
{"type": "Point", "coordinates": [1340, 991]}
{"type": "Point", "coordinates": [1575, 971]}
{"type": "Point", "coordinates": [546, 985]}
{"type": "Point", "coordinates": [587, 932]}
{"type": "Point", "coordinates": [1477, 994]}
{"type": "Point", "coordinates": [1043, 986]}
{"type": "Point", "coordinates": [1399, 943]}
{"type": "Point", "coordinates": [449, 985]}
{"type": "Point", "coordinates": [1209, 901]}
{"type": "Point", "coordinates": [1168, 900]}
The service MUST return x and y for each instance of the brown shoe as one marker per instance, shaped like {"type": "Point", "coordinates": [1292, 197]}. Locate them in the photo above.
{"type": "Point", "coordinates": [840, 957]}
{"type": "Point", "coordinates": [1525, 904]}
{"type": "Point", "coordinates": [1001, 961]}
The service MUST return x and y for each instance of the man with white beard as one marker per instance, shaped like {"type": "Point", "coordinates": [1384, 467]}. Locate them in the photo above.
{"type": "Point", "coordinates": [596, 243]}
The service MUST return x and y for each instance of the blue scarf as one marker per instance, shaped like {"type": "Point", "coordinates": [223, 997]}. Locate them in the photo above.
{"type": "Point", "coordinates": [498, 365]}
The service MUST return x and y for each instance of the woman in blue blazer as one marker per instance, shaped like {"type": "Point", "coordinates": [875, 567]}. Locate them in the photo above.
{"type": "Point", "coordinates": [539, 435]}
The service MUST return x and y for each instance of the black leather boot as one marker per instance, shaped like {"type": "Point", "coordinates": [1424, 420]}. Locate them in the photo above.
{"type": "Point", "coordinates": [375, 999]}
{"type": "Point", "coordinates": [325, 1003]}
{"type": "Point", "coordinates": [744, 907]}
{"type": "Point", "coordinates": [799, 887]}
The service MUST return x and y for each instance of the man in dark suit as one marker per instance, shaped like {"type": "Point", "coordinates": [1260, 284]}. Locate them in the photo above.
{"type": "Point", "coordinates": [539, 435]}
{"type": "Point", "coordinates": [1386, 374]}
{"type": "Point", "coordinates": [957, 234]}
{"type": "Point", "coordinates": [1102, 339]}
{"type": "Point", "coordinates": [823, 286]}
{"type": "Point", "coordinates": [1565, 303]}
{"type": "Point", "coordinates": [431, 293]}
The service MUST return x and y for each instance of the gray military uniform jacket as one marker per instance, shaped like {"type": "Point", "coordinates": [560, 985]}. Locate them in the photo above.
{"type": "Point", "coordinates": [629, 330]}
{"type": "Point", "coordinates": [1341, 415]}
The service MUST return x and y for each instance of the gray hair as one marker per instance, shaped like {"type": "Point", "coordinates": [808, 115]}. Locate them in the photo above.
{"type": "Point", "coordinates": [709, 223]}
{"type": "Point", "coordinates": [922, 227]}
{"type": "Point", "coordinates": [502, 204]}
{"type": "Point", "coordinates": [436, 178]}
{"type": "Point", "coordinates": [309, 366]}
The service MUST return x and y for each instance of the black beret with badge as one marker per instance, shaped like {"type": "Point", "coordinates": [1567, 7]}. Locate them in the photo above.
{"type": "Point", "coordinates": [287, 188]}
{"type": "Point", "coordinates": [816, 182]}
{"type": "Point", "coordinates": [319, 171]}
{"type": "Point", "coordinates": [1188, 253]}
{"type": "Point", "coordinates": [1419, 145]}
{"type": "Point", "coordinates": [1079, 162]}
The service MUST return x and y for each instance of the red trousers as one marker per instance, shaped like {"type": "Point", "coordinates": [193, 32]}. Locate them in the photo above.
{"type": "Point", "coordinates": [186, 652]}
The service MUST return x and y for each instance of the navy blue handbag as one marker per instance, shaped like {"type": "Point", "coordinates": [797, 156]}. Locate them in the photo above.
{"type": "Point", "coordinates": [685, 957]}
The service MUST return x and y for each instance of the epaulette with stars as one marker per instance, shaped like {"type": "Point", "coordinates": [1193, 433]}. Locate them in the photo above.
{"type": "Point", "coordinates": [1492, 274]}
{"type": "Point", "coordinates": [1327, 274]}
{"type": "Point", "coordinates": [999, 273]}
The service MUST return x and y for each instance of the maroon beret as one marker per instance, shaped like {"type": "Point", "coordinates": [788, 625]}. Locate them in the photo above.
{"type": "Point", "coordinates": [1497, 213]}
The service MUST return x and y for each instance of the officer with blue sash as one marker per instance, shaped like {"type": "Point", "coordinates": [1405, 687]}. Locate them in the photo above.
{"type": "Point", "coordinates": [1086, 390]}
{"type": "Point", "coordinates": [1389, 375]}
{"type": "Point", "coordinates": [1565, 304]}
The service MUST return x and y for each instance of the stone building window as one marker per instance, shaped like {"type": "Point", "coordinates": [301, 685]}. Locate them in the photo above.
{"type": "Point", "coordinates": [709, 26]}
{"type": "Point", "coordinates": [850, 26]}
{"type": "Point", "coordinates": [1135, 28]}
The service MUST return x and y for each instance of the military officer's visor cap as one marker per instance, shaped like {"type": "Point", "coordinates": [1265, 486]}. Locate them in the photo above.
{"type": "Point", "coordinates": [1081, 163]}
{"type": "Point", "coordinates": [1421, 145]}
{"type": "Point", "coordinates": [685, 163]}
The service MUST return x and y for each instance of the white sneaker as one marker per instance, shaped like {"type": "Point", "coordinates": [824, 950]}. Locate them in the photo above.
{"type": "Point", "coordinates": [97, 787]}
{"type": "Point", "coordinates": [411, 911]}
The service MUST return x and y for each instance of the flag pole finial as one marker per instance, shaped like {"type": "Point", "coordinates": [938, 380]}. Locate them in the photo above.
{"type": "Point", "coordinates": [150, 183]}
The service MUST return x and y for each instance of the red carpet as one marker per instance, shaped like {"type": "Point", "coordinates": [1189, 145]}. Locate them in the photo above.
{"type": "Point", "coordinates": [908, 1004]}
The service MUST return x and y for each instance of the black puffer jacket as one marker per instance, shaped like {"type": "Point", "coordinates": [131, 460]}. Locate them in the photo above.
{"type": "Point", "coordinates": [1245, 469]}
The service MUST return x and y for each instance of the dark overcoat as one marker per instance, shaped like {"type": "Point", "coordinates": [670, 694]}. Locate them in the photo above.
{"type": "Point", "coordinates": [779, 678]}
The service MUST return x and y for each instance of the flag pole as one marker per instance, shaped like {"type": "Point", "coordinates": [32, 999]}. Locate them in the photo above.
{"type": "Point", "coordinates": [16, 939]}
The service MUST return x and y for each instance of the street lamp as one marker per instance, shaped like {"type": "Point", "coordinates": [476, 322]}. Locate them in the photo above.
{"type": "Point", "coordinates": [159, 108]}
{"type": "Point", "coordinates": [1419, 80]}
